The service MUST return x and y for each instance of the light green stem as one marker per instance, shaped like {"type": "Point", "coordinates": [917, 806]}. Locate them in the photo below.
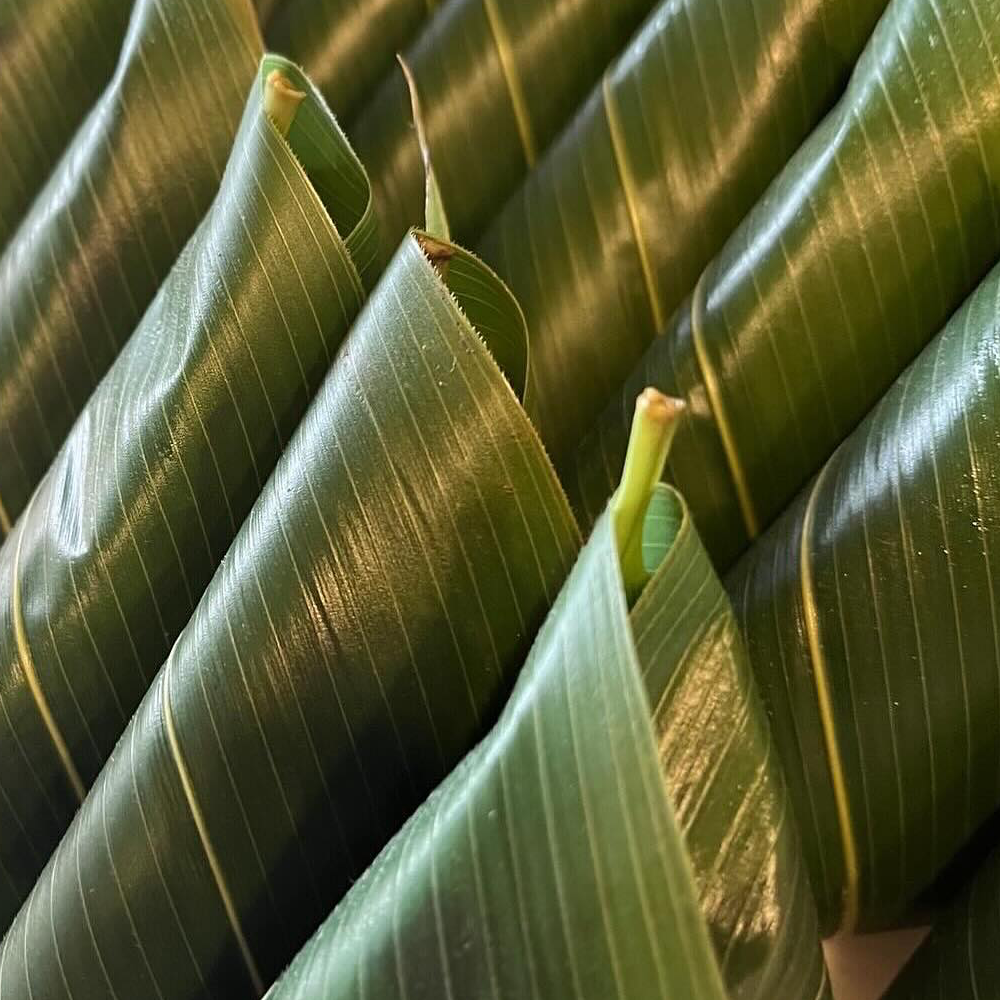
{"type": "Point", "coordinates": [653, 427]}
{"type": "Point", "coordinates": [281, 100]}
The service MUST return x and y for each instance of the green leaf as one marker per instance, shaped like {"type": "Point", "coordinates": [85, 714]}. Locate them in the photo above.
{"type": "Point", "coordinates": [56, 56]}
{"type": "Point", "coordinates": [497, 79]}
{"type": "Point", "coordinates": [871, 618]}
{"type": "Point", "coordinates": [551, 863]}
{"type": "Point", "coordinates": [360, 636]}
{"type": "Point", "coordinates": [345, 46]}
{"type": "Point", "coordinates": [605, 238]}
{"type": "Point", "coordinates": [878, 227]}
{"type": "Point", "coordinates": [111, 220]}
{"type": "Point", "coordinates": [126, 529]}
{"type": "Point", "coordinates": [960, 960]}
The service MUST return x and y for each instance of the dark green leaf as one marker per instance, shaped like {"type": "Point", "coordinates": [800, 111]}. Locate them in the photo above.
{"type": "Point", "coordinates": [55, 58]}
{"type": "Point", "coordinates": [550, 862]}
{"type": "Point", "coordinates": [688, 126]}
{"type": "Point", "coordinates": [960, 960]}
{"type": "Point", "coordinates": [104, 231]}
{"type": "Point", "coordinates": [360, 635]}
{"type": "Point", "coordinates": [345, 46]}
{"type": "Point", "coordinates": [872, 623]}
{"type": "Point", "coordinates": [874, 232]}
{"type": "Point", "coordinates": [126, 529]}
{"type": "Point", "coordinates": [497, 80]}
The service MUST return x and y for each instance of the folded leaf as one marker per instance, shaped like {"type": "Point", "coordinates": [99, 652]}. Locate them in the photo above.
{"type": "Point", "coordinates": [358, 638]}
{"type": "Point", "coordinates": [605, 238]}
{"type": "Point", "coordinates": [346, 46]}
{"type": "Point", "coordinates": [497, 80]}
{"type": "Point", "coordinates": [872, 624]}
{"type": "Point", "coordinates": [551, 863]}
{"type": "Point", "coordinates": [109, 559]}
{"type": "Point", "coordinates": [55, 58]}
{"type": "Point", "coordinates": [875, 231]}
{"type": "Point", "coordinates": [111, 220]}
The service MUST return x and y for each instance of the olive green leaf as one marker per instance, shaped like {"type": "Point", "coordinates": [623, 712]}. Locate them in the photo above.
{"type": "Point", "coordinates": [871, 618]}
{"type": "Point", "coordinates": [55, 58]}
{"type": "Point", "coordinates": [673, 147]}
{"type": "Point", "coordinates": [345, 46]}
{"type": "Point", "coordinates": [361, 634]}
{"type": "Point", "coordinates": [117, 210]}
{"type": "Point", "coordinates": [126, 529]}
{"type": "Point", "coordinates": [497, 79]}
{"type": "Point", "coordinates": [550, 862]}
{"type": "Point", "coordinates": [875, 231]}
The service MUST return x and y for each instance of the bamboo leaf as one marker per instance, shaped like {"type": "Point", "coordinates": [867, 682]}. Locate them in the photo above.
{"type": "Point", "coordinates": [551, 863]}
{"type": "Point", "coordinates": [56, 56]}
{"type": "Point", "coordinates": [606, 237]}
{"type": "Point", "coordinates": [126, 529]}
{"type": "Point", "coordinates": [345, 46]}
{"type": "Point", "coordinates": [497, 80]}
{"type": "Point", "coordinates": [878, 227]}
{"type": "Point", "coordinates": [111, 220]}
{"type": "Point", "coordinates": [870, 614]}
{"type": "Point", "coordinates": [361, 634]}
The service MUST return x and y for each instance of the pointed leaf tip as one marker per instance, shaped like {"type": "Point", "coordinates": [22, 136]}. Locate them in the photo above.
{"type": "Point", "coordinates": [435, 218]}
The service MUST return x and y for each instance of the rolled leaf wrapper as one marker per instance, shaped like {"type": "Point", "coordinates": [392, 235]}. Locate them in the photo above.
{"type": "Point", "coordinates": [497, 80]}
{"type": "Point", "coordinates": [870, 615]}
{"type": "Point", "coordinates": [675, 144]}
{"type": "Point", "coordinates": [57, 56]}
{"type": "Point", "coordinates": [551, 861]}
{"type": "Point", "coordinates": [361, 634]}
{"type": "Point", "coordinates": [346, 46]}
{"type": "Point", "coordinates": [876, 230]}
{"type": "Point", "coordinates": [104, 231]}
{"type": "Point", "coordinates": [126, 529]}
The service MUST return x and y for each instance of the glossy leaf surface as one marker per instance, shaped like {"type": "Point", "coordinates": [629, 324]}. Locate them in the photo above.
{"type": "Point", "coordinates": [875, 231]}
{"type": "Point", "coordinates": [551, 863]}
{"type": "Point", "coordinates": [109, 559]}
{"type": "Point", "coordinates": [605, 239]}
{"type": "Point", "coordinates": [497, 79]}
{"type": "Point", "coordinates": [361, 634]}
{"type": "Point", "coordinates": [346, 46]}
{"type": "Point", "coordinates": [871, 618]}
{"type": "Point", "coordinates": [111, 220]}
{"type": "Point", "coordinates": [55, 58]}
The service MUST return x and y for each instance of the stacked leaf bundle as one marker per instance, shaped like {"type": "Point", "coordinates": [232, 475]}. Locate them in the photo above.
{"type": "Point", "coordinates": [340, 520]}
